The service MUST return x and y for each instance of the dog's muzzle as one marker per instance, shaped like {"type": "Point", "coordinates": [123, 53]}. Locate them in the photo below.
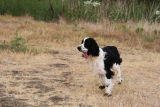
{"type": "Point", "coordinates": [84, 53]}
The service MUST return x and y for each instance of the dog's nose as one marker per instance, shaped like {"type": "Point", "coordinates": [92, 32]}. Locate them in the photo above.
{"type": "Point", "coordinates": [79, 48]}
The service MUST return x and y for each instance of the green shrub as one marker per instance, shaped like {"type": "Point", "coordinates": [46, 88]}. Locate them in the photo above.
{"type": "Point", "coordinates": [159, 32]}
{"type": "Point", "coordinates": [4, 46]}
{"type": "Point", "coordinates": [139, 30]}
{"type": "Point", "coordinates": [149, 38]}
{"type": "Point", "coordinates": [18, 44]}
{"type": "Point", "coordinates": [155, 32]}
{"type": "Point", "coordinates": [39, 9]}
{"type": "Point", "coordinates": [124, 28]}
{"type": "Point", "coordinates": [95, 10]}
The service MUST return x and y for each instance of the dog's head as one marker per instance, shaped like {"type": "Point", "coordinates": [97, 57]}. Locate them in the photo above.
{"type": "Point", "coordinates": [89, 47]}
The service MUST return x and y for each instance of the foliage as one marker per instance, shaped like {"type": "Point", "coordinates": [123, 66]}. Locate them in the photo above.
{"type": "Point", "coordinates": [139, 30]}
{"type": "Point", "coordinates": [88, 10]}
{"type": "Point", "coordinates": [18, 44]}
{"type": "Point", "coordinates": [149, 38]}
{"type": "Point", "coordinates": [92, 3]}
{"type": "Point", "coordinates": [4, 46]}
{"type": "Point", "coordinates": [39, 9]}
{"type": "Point", "coordinates": [157, 16]}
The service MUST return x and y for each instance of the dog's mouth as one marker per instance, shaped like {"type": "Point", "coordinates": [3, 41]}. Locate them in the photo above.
{"type": "Point", "coordinates": [85, 55]}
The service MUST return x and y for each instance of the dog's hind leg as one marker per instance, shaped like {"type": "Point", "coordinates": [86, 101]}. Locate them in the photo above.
{"type": "Point", "coordinates": [108, 79]}
{"type": "Point", "coordinates": [117, 67]}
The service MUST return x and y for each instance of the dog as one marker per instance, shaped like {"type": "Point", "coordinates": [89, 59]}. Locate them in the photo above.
{"type": "Point", "coordinates": [102, 60]}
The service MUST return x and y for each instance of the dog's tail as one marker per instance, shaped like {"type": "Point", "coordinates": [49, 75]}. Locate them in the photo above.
{"type": "Point", "coordinates": [119, 61]}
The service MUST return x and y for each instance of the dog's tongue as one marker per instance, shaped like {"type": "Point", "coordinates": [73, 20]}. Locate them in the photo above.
{"type": "Point", "coordinates": [85, 55]}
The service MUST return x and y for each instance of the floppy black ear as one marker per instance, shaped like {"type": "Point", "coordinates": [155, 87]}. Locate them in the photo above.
{"type": "Point", "coordinates": [93, 48]}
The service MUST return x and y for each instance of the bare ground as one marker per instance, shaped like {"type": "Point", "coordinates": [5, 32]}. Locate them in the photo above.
{"type": "Point", "coordinates": [61, 77]}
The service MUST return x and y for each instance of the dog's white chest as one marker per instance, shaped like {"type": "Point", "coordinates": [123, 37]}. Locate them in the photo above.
{"type": "Point", "coordinates": [97, 63]}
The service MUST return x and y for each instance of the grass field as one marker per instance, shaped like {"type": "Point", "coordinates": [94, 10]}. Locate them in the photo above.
{"type": "Point", "coordinates": [57, 76]}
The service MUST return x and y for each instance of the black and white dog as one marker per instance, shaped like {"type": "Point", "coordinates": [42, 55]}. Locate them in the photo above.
{"type": "Point", "coordinates": [102, 60]}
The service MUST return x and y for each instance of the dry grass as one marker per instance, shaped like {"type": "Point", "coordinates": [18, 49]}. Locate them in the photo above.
{"type": "Point", "coordinates": [60, 77]}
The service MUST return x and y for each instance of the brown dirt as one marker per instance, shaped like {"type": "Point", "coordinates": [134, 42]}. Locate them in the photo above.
{"type": "Point", "coordinates": [60, 77]}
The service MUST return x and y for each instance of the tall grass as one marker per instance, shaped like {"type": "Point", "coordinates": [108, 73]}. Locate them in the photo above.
{"type": "Point", "coordinates": [75, 10]}
{"type": "Point", "coordinates": [39, 9]}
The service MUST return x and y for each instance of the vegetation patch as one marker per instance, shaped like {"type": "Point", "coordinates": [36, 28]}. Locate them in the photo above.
{"type": "Point", "coordinates": [18, 44]}
{"type": "Point", "coordinates": [139, 30]}
{"type": "Point", "coordinates": [149, 38]}
{"type": "Point", "coordinates": [88, 10]}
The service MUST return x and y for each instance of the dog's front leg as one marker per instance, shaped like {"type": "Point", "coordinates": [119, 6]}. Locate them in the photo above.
{"type": "Point", "coordinates": [103, 81]}
{"type": "Point", "coordinates": [107, 84]}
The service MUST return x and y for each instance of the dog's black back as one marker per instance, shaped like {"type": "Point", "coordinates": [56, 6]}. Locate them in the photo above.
{"type": "Point", "coordinates": [112, 56]}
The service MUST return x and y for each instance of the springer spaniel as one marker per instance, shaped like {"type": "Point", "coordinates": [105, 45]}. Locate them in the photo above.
{"type": "Point", "coordinates": [102, 60]}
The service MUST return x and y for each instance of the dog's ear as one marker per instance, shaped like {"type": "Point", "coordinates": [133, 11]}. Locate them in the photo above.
{"type": "Point", "coordinates": [93, 48]}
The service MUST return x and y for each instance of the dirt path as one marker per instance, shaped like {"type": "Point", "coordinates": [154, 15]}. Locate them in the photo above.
{"type": "Point", "coordinates": [64, 79]}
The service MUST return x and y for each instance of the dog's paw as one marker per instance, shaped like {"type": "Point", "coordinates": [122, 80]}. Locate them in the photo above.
{"type": "Point", "coordinates": [101, 87]}
{"type": "Point", "coordinates": [119, 82]}
{"type": "Point", "coordinates": [107, 94]}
